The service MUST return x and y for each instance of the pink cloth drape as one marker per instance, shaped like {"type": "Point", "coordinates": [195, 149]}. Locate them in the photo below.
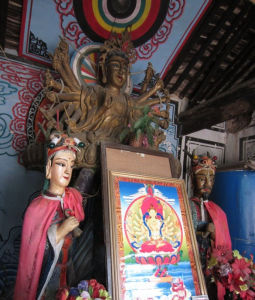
{"type": "Point", "coordinates": [222, 236]}
{"type": "Point", "coordinates": [219, 218]}
{"type": "Point", "coordinates": [37, 220]}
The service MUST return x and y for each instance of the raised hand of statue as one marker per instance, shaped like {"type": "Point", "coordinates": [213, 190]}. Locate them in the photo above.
{"type": "Point", "coordinates": [106, 108]}
{"type": "Point", "coordinates": [66, 227]}
{"type": "Point", "coordinates": [159, 85]}
{"type": "Point", "coordinates": [51, 96]}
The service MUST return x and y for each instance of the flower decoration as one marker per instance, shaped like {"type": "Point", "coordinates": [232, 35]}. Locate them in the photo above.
{"type": "Point", "coordinates": [235, 272]}
{"type": "Point", "coordinates": [145, 128]}
{"type": "Point", "coordinates": [86, 290]}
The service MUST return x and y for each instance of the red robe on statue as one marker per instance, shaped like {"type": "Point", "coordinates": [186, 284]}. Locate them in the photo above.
{"type": "Point", "coordinates": [36, 223]}
{"type": "Point", "coordinates": [222, 236]}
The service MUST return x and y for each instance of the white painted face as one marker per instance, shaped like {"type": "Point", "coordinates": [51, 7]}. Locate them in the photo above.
{"type": "Point", "coordinates": [59, 171]}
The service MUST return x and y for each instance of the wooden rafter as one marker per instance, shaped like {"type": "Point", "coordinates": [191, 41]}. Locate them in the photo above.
{"type": "Point", "coordinates": [228, 105]}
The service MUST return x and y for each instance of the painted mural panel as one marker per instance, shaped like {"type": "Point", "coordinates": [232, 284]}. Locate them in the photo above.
{"type": "Point", "coordinates": [19, 83]}
{"type": "Point", "coordinates": [158, 28]}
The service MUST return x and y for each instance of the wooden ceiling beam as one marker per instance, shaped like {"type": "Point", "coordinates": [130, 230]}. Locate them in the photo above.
{"type": "Point", "coordinates": [239, 100]}
{"type": "Point", "coordinates": [220, 54]}
{"type": "Point", "coordinates": [186, 49]}
{"type": "Point", "coordinates": [13, 21]}
{"type": "Point", "coordinates": [250, 73]}
{"type": "Point", "coordinates": [238, 73]}
{"type": "Point", "coordinates": [230, 71]}
{"type": "Point", "coordinates": [205, 44]}
{"type": "Point", "coordinates": [3, 20]}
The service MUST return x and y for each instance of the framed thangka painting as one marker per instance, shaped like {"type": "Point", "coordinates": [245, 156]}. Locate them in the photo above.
{"type": "Point", "coordinates": [152, 250]}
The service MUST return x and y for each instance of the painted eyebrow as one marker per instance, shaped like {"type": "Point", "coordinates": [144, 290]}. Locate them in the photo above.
{"type": "Point", "coordinates": [117, 61]}
{"type": "Point", "coordinates": [59, 158]}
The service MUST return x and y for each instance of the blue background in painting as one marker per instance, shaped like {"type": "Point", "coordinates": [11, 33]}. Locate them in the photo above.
{"type": "Point", "coordinates": [131, 188]}
{"type": "Point", "coordinates": [138, 277]}
{"type": "Point", "coordinates": [138, 281]}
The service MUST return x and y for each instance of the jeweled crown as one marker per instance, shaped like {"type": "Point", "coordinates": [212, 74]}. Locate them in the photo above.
{"type": "Point", "coordinates": [61, 141]}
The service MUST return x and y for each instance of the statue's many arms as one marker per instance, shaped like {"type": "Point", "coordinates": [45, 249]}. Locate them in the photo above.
{"type": "Point", "coordinates": [99, 112]}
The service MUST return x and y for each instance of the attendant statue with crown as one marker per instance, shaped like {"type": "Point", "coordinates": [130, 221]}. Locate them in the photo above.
{"type": "Point", "coordinates": [210, 221]}
{"type": "Point", "coordinates": [50, 224]}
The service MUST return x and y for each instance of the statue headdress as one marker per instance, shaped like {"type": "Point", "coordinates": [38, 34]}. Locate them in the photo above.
{"type": "Point", "coordinates": [202, 161]}
{"type": "Point", "coordinates": [117, 44]}
{"type": "Point", "coordinates": [62, 142]}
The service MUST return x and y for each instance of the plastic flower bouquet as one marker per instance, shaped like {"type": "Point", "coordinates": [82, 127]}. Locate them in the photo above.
{"type": "Point", "coordinates": [235, 272]}
{"type": "Point", "coordinates": [86, 290]}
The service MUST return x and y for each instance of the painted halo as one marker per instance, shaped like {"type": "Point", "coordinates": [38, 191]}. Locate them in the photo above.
{"type": "Point", "coordinates": [98, 18]}
{"type": "Point", "coordinates": [175, 239]}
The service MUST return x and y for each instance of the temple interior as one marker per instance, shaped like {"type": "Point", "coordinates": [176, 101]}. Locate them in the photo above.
{"type": "Point", "coordinates": [127, 149]}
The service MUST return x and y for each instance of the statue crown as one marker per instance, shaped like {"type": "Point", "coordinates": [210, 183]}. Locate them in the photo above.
{"type": "Point", "coordinates": [203, 162]}
{"type": "Point", "coordinates": [118, 43]}
{"type": "Point", "coordinates": [61, 141]}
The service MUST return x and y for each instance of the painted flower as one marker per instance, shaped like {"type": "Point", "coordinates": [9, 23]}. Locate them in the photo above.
{"type": "Point", "coordinates": [95, 292]}
{"type": "Point", "coordinates": [92, 282]}
{"type": "Point", "coordinates": [235, 272]}
{"type": "Point", "coordinates": [156, 109]}
{"type": "Point", "coordinates": [145, 142]}
{"type": "Point", "coordinates": [236, 254]}
{"type": "Point", "coordinates": [241, 268]}
{"type": "Point", "coordinates": [250, 295]}
{"type": "Point", "coordinates": [85, 295]}
{"type": "Point", "coordinates": [234, 283]}
{"type": "Point", "coordinates": [74, 291]}
{"type": "Point", "coordinates": [103, 294]}
{"type": "Point", "coordinates": [83, 285]}
{"type": "Point", "coordinates": [101, 287]}
{"type": "Point", "coordinates": [86, 290]}
{"type": "Point", "coordinates": [222, 254]}
{"type": "Point", "coordinates": [225, 269]}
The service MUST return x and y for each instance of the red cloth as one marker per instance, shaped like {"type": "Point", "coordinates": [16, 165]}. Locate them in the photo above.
{"type": "Point", "coordinates": [221, 290]}
{"type": "Point", "coordinates": [222, 236]}
{"type": "Point", "coordinates": [219, 218]}
{"type": "Point", "coordinates": [37, 220]}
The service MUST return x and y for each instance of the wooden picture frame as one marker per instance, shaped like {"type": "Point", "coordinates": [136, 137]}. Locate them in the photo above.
{"type": "Point", "coordinates": [150, 241]}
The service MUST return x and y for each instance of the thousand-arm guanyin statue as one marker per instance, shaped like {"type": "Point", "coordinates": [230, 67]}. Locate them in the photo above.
{"type": "Point", "coordinates": [103, 111]}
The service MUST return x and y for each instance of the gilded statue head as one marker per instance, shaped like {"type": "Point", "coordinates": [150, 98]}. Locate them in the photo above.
{"type": "Point", "coordinates": [203, 173]}
{"type": "Point", "coordinates": [116, 55]}
{"type": "Point", "coordinates": [116, 69]}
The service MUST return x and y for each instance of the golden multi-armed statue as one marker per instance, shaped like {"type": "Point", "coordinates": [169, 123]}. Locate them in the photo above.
{"type": "Point", "coordinates": [101, 112]}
